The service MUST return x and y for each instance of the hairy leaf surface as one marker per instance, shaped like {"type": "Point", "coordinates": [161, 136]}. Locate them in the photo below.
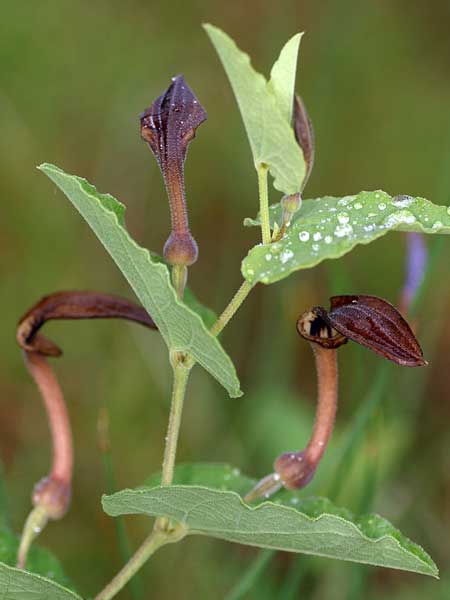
{"type": "Point", "coordinates": [182, 329]}
{"type": "Point", "coordinates": [291, 522]}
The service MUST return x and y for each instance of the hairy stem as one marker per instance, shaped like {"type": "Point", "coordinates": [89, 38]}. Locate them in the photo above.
{"type": "Point", "coordinates": [180, 378]}
{"type": "Point", "coordinates": [232, 307]}
{"type": "Point", "coordinates": [262, 170]}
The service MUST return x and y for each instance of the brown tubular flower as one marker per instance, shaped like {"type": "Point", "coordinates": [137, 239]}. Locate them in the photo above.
{"type": "Point", "coordinates": [168, 126]}
{"type": "Point", "coordinates": [368, 320]}
{"type": "Point", "coordinates": [74, 305]}
{"type": "Point", "coordinates": [51, 496]}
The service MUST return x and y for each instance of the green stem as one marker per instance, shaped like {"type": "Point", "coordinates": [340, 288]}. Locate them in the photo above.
{"type": "Point", "coordinates": [179, 279]}
{"type": "Point", "coordinates": [154, 541]}
{"type": "Point", "coordinates": [35, 523]}
{"type": "Point", "coordinates": [162, 532]}
{"type": "Point", "coordinates": [232, 307]}
{"type": "Point", "coordinates": [262, 170]}
{"type": "Point", "coordinates": [180, 378]}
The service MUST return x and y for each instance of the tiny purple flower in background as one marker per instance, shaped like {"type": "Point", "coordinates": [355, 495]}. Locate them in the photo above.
{"type": "Point", "coordinates": [416, 261]}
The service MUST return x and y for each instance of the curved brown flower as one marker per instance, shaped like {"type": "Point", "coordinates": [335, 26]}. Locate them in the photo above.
{"type": "Point", "coordinates": [51, 495]}
{"type": "Point", "coordinates": [368, 320]}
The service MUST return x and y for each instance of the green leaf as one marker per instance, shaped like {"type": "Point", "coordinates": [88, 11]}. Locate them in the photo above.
{"type": "Point", "coordinates": [291, 523]}
{"type": "Point", "coordinates": [44, 578]}
{"type": "Point", "coordinates": [16, 584]}
{"type": "Point", "coordinates": [282, 77]}
{"type": "Point", "coordinates": [330, 227]}
{"type": "Point", "coordinates": [182, 329]}
{"type": "Point", "coordinates": [264, 109]}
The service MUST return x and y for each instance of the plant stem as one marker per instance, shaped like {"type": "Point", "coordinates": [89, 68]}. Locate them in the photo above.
{"type": "Point", "coordinates": [154, 541]}
{"type": "Point", "coordinates": [35, 523]}
{"type": "Point", "coordinates": [162, 532]}
{"type": "Point", "coordinates": [232, 307]}
{"type": "Point", "coordinates": [262, 170]}
{"type": "Point", "coordinates": [179, 278]}
{"type": "Point", "coordinates": [180, 378]}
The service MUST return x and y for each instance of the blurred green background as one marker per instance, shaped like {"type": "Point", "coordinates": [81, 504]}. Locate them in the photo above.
{"type": "Point", "coordinates": [74, 77]}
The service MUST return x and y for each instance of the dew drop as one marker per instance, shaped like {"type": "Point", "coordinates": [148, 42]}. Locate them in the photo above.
{"type": "Point", "coordinates": [315, 247]}
{"type": "Point", "coordinates": [328, 239]}
{"type": "Point", "coordinates": [357, 205]}
{"type": "Point", "coordinates": [303, 236]}
{"type": "Point", "coordinates": [343, 218]}
{"type": "Point", "coordinates": [402, 201]}
{"type": "Point", "coordinates": [342, 231]}
{"type": "Point", "coordinates": [437, 225]}
{"type": "Point", "coordinates": [317, 236]}
{"type": "Point", "coordinates": [286, 255]}
{"type": "Point", "coordinates": [268, 257]}
{"type": "Point", "coordinates": [382, 206]}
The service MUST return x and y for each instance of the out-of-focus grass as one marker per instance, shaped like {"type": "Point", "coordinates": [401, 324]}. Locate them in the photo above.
{"type": "Point", "coordinates": [73, 79]}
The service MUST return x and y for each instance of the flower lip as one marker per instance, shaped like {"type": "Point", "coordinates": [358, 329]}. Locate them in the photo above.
{"type": "Point", "coordinates": [377, 325]}
{"type": "Point", "coordinates": [313, 326]}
